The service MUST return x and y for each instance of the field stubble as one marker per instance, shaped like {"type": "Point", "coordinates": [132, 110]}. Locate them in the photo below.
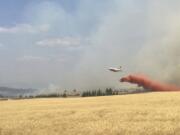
{"type": "Point", "coordinates": [154, 113]}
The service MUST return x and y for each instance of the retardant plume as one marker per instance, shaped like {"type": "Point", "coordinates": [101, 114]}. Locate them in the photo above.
{"type": "Point", "coordinates": [146, 83]}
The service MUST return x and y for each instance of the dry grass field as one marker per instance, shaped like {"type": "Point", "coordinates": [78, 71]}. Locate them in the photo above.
{"type": "Point", "coordinates": [136, 114]}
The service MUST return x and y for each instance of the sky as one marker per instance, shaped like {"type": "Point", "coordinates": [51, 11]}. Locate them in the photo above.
{"type": "Point", "coordinates": [42, 39]}
{"type": "Point", "coordinates": [66, 44]}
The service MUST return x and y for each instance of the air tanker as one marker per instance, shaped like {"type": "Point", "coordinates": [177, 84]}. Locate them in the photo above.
{"type": "Point", "coordinates": [115, 69]}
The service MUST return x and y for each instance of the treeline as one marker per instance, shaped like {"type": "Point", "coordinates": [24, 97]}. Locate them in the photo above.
{"type": "Point", "coordinates": [50, 95]}
{"type": "Point", "coordinates": [99, 92]}
{"type": "Point", "coordinates": [75, 93]}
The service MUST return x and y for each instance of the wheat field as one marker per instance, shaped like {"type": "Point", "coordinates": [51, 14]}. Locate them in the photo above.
{"type": "Point", "coordinates": [136, 114]}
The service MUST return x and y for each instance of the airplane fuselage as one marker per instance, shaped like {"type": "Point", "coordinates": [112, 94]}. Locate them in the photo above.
{"type": "Point", "coordinates": [115, 69]}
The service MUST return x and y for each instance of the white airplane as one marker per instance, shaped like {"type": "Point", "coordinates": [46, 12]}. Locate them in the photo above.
{"type": "Point", "coordinates": [115, 69]}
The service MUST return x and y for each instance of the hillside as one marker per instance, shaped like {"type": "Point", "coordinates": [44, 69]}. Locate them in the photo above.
{"type": "Point", "coordinates": [14, 92]}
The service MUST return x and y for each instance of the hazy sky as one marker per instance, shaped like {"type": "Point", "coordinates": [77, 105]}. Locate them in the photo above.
{"type": "Point", "coordinates": [71, 43]}
{"type": "Point", "coordinates": [41, 40]}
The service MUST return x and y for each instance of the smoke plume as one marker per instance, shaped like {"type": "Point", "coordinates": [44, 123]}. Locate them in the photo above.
{"type": "Point", "coordinates": [149, 84]}
{"type": "Point", "coordinates": [140, 36]}
{"type": "Point", "coordinates": [159, 56]}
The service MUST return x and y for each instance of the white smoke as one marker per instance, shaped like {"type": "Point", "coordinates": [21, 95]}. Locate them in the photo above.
{"type": "Point", "coordinates": [115, 43]}
{"type": "Point", "coordinates": [159, 57]}
{"type": "Point", "coordinates": [140, 36]}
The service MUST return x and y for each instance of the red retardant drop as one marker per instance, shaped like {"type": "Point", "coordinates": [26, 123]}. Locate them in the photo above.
{"type": "Point", "coordinates": [146, 83]}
